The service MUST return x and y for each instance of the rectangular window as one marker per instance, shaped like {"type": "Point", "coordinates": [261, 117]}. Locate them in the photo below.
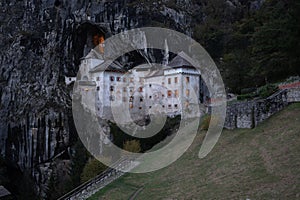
{"type": "Point", "coordinates": [169, 106]}
{"type": "Point", "coordinates": [98, 88]}
{"type": "Point", "coordinates": [118, 79]}
{"type": "Point", "coordinates": [131, 80]}
{"type": "Point", "coordinates": [169, 80]}
{"type": "Point", "coordinates": [124, 89]}
{"type": "Point", "coordinates": [176, 80]}
{"type": "Point", "coordinates": [111, 98]}
{"type": "Point", "coordinates": [131, 89]}
{"type": "Point", "coordinates": [140, 89]}
{"type": "Point", "coordinates": [186, 104]}
{"type": "Point", "coordinates": [141, 99]}
{"type": "Point", "coordinates": [140, 108]}
{"type": "Point", "coordinates": [112, 78]}
{"type": "Point", "coordinates": [169, 93]}
{"type": "Point", "coordinates": [130, 105]}
{"type": "Point", "coordinates": [98, 78]}
{"type": "Point", "coordinates": [150, 85]}
{"type": "Point", "coordinates": [141, 80]}
{"type": "Point", "coordinates": [111, 88]}
{"type": "Point", "coordinates": [176, 106]}
{"type": "Point", "coordinates": [187, 79]}
{"type": "Point", "coordinates": [176, 93]}
{"type": "Point", "coordinates": [124, 80]}
{"type": "Point", "coordinates": [150, 97]}
{"type": "Point", "coordinates": [187, 93]}
{"type": "Point", "coordinates": [163, 106]}
{"type": "Point", "coordinates": [131, 99]}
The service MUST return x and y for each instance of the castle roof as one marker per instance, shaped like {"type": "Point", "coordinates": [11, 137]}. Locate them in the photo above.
{"type": "Point", "coordinates": [180, 61]}
{"type": "Point", "coordinates": [108, 65]}
{"type": "Point", "coordinates": [93, 54]}
{"type": "Point", "coordinates": [157, 70]}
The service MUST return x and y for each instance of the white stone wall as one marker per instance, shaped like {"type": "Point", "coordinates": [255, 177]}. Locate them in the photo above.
{"type": "Point", "coordinates": [69, 80]}
{"type": "Point", "coordinates": [173, 95]}
{"type": "Point", "coordinates": [155, 94]}
{"type": "Point", "coordinates": [168, 93]}
{"type": "Point", "coordinates": [86, 65]}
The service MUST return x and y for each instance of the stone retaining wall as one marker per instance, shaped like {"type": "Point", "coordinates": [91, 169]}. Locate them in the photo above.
{"type": "Point", "coordinates": [294, 95]}
{"type": "Point", "coordinates": [248, 114]}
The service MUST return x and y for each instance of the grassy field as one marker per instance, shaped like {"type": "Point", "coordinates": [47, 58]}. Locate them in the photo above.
{"type": "Point", "coordinates": [260, 163]}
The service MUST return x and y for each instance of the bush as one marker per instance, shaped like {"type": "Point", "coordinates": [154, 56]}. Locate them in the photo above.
{"type": "Point", "coordinates": [210, 120]}
{"type": "Point", "coordinates": [120, 137]}
{"type": "Point", "coordinates": [132, 146]}
{"type": "Point", "coordinates": [262, 92]}
{"type": "Point", "coordinates": [92, 169]}
{"type": "Point", "coordinates": [245, 96]}
{"type": "Point", "coordinates": [267, 90]}
{"type": "Point", "coordinates": [205, 122]}
{"type": "Point", "coordinates": [248, 90]}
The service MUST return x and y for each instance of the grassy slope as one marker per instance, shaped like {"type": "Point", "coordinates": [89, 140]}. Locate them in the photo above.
{"type": "Point", "coordinates": [261, 163]}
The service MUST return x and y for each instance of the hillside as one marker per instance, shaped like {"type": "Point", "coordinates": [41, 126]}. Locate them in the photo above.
{"type": "Point", "coordinates": [260, 163]}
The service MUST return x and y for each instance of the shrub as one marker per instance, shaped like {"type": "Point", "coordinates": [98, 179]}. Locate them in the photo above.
{"type": "Point", "coordinates": [248, 90]}
{"type": "Point", "coordinates": [92, 169]}
{"type": "Point", "coordinates": [205, 122]}
{"type": "Point", "coordinates": [132, 146]}
{"type": "Point", "coordinates": [267, 90]}
{"type": "Point", "coordinates": [245, 96]}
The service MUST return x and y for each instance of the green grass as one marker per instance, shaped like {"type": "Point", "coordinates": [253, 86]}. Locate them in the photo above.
{"type": "Point", "coordinates": [260, 163]}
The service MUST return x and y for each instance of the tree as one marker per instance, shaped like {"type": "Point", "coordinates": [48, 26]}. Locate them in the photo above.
{"type": "Point", "coordinates": [275, 41]}
{"type": "Point", "coordinates": [92, 169]}
{"type": "Point", "coordinates": [78, 162]}
{"type": "Point", "coordinates": [132, 146]}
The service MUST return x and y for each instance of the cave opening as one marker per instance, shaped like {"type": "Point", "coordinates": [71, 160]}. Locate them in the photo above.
{"type": "Point", "coordinates": [87, 37]}
{"type": "Point", "coordinates": [57, 3]}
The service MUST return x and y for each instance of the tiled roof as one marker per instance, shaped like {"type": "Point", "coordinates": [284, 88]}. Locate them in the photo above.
{"type": "Point", "coordinates": [180, 61]}
{"type": "Point", "coordinates": [93, 54]}
{"type": "Point", "coordinates": [157, 70]}
{"type": "Point", "coordinates": [108, 65]}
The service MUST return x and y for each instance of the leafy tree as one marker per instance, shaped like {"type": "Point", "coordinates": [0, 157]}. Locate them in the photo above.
{"type": "Point", "coordinates": [132, 146]}
{"type": "Point", "coordinates": [92, 169]}
{"type": "Point", "coordinates": [275, 43]}
{"type": "Point", "coordinates": [263, 46]}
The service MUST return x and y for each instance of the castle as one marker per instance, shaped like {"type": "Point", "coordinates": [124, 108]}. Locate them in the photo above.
{"type": "Point", "coordinates": [170, 89]}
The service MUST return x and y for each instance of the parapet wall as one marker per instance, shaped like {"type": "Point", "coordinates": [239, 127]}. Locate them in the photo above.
{"type": "Point", "coordinates": [248, 114]}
